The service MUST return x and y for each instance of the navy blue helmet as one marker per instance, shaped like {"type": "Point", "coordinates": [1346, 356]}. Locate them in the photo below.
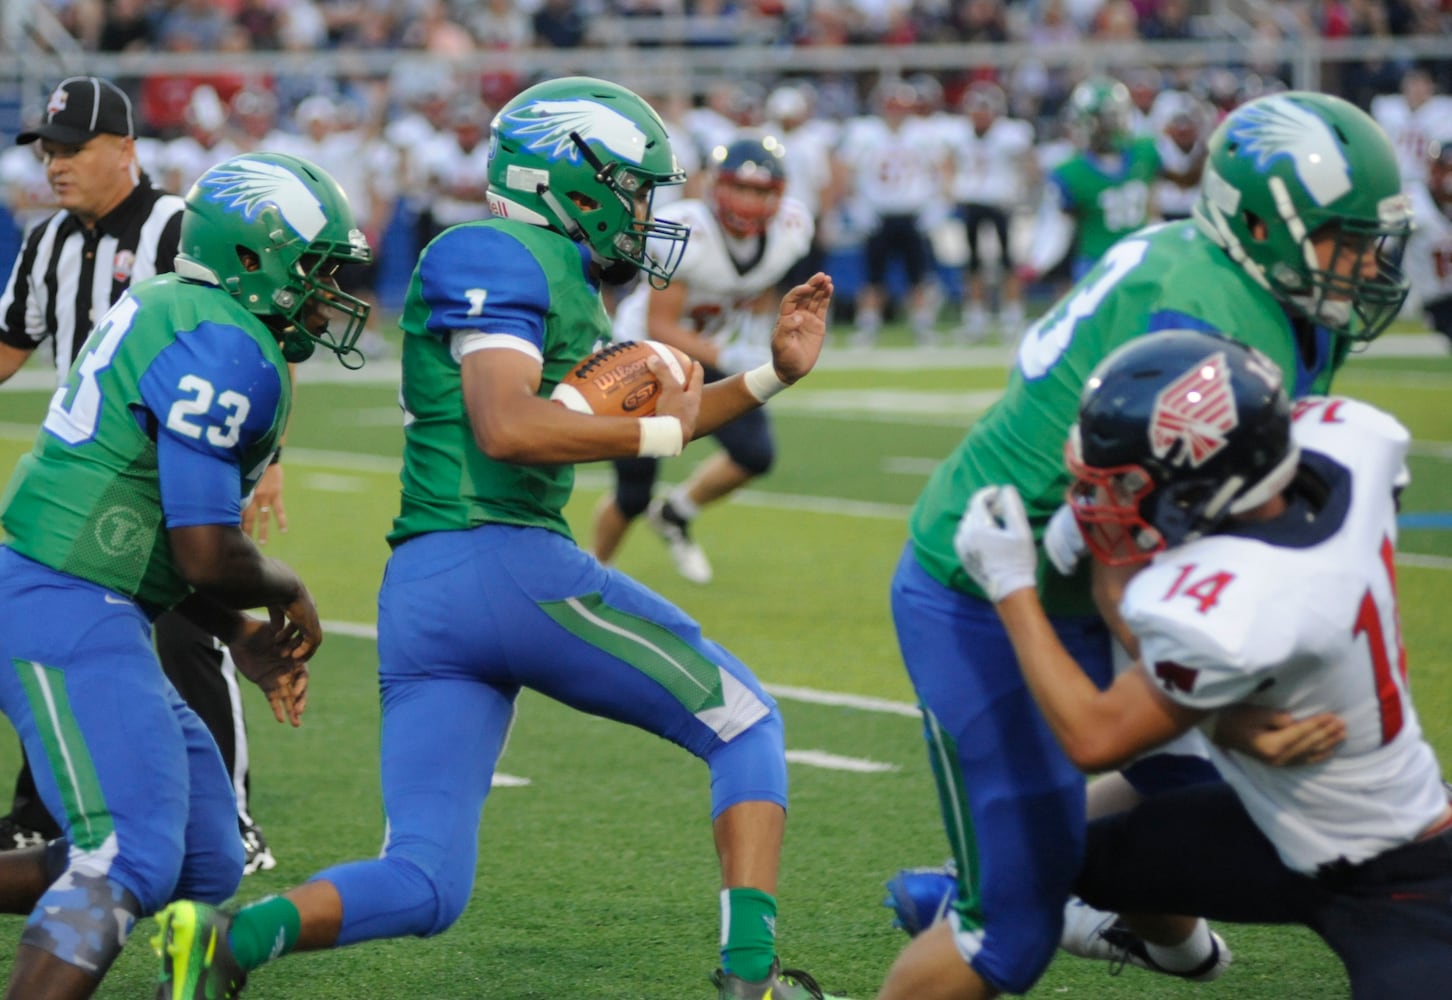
{"type": "Point", "coordinates": [1177, 431]}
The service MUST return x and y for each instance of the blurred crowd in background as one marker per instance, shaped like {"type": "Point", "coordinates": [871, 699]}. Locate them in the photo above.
{"type": "Point", "coordinates": [410, 146]}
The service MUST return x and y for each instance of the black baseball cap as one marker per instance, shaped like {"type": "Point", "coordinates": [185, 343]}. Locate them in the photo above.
{"type": "Point", "coordinates": [81, 108]}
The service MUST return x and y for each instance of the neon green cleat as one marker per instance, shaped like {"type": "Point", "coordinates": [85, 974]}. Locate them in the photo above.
{"type": "Point", "coordinates": [196, 960]}
{"type": "Point", "coordinates": [779, 984]}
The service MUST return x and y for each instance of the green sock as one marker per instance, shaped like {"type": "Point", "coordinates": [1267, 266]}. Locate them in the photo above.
{"type": "Point", "coordinates": [265, 930]}
{"type": "Point", "coordinates": [748, 933]}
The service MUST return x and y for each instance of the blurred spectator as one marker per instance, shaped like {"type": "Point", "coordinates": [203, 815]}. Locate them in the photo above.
{"type": "Point", "coordinates": [560, 24]}
{"type": "Point", "coordinates": [194, 24]}
{"type": "Point", "coordinates": [898, 177]}
{"type": "Point", "coordinates": [455, 168]}
{"type": "Point", "coordinates": [499, 24]}
{"type": "Point", "coordinates": [992, 169]}
{"type": "Point", "coordinates": [1414, 118]}
{"type": "Point", "coordinates": [813, 175]}
{"type": "Point", "coordinates": [258, 19]}
{"type": "Point", "coordinates": [1167, 19]}
{"type": "Point", "coordinates": [129, 25]}
{"type": "Point", "coordinates": [1180, 124]}
{"type": "Point", "coordinates": [204, 144]}
{"type": "Point", "coordinates": [433, 30]}
{"type": "Point", "coordinates": [253, 119]}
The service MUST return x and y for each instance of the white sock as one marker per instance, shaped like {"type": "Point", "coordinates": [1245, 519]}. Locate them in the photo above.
{"type": "Point", "coordinates": [681, 502]}
{"type": "Point", "coordinates": [1189, 954]}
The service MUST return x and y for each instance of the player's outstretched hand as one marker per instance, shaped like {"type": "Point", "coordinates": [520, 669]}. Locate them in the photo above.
{"type": "Point", "coordinates": [269, 663]}
{"type": "Point", "coordinates": [1064, 540]}
{"type": "Point", "coordinates": [801, 328]}
{"type": "Point", "coordinates": [995, 543]}
{"type": "Point", "coordinates": [266, 506]}
{"type": "Point", "coordinates": [1276, 737]}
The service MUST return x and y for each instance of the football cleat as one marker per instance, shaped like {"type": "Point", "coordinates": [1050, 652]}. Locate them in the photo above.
{"type": "Point", "coordinates": [258, 856]}
{"type": "Point", "coordinates": [779, 984]}
{"type": "Point", "coordinates": [196, 958]}
{"type": "Point", "coordinates": [690, 558]}
{"type": "Point", "coordinates": [920, 897]}
{"type": "Point", "coordinates": [1096, 935]}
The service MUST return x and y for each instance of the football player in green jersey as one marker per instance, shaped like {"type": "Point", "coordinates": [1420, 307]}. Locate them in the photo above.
{"type": "Point", "coordinates": [486, 591]}
{"type": "Point", "coordinates": [129, 504]}
{"type": "Point", "coordinates": [1288, 251]}
{"type": "Point", "coordinates": [1100, 193]}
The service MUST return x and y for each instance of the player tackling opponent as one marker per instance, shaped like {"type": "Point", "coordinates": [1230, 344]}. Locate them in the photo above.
{"type": "Point", "coordinates": [1287, 253]}
{"type": "Point", "coordinates": [1259, 542]}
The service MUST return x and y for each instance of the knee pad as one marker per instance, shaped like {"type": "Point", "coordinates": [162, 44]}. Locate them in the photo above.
{"type": "Point", "coordinates": [750, 768]}
{"type": "Point", "coordinates": [395, 896]}
{"type": "Point", "coordinates": [83, 919]}
{"type": "Point", "coordinates": [634, 483]}
{"type": "Point", "coordinates": [211, 876]}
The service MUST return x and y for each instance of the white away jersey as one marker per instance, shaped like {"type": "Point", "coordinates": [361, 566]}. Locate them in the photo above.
{"type": "Point", "coordinates": [1412, 131]}
{"type": "Point", "coordinates": [1428, 258]}
{"type": "Point", "coordinates": [1300, 614]}
{"type": "Point", "coordinates": [717, 289]}
{"type": "Point", "coordinates": [988, 169]}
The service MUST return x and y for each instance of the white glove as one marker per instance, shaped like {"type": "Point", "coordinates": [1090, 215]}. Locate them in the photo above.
{"type": "Point", "coordinates": [995, 543]}
{"type": "Point", "coordinates": [1064, 540]}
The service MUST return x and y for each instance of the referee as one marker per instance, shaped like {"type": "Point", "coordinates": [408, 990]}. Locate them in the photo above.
{"type": "Point", "coordinates": [113, 228]}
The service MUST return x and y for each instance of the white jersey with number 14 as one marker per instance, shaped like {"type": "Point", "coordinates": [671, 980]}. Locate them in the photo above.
{"type": "Point", "coordinates": [1301, 614]}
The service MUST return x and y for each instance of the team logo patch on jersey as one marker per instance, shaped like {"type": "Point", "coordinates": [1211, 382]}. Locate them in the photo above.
{"type": "Point", "coordinates": [249, 186]}
{"type": "Point", "coordinates": [1195, 411]}
{"type": "Point", "coordinates": [1276, 127]}
{"type": "Point", "coordinates": [122, 266]}
{"type": "Point", "coordinates": [545, 127]}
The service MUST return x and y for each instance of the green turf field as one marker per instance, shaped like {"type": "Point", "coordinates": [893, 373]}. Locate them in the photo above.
{"type": "Point", "coordinates": [597, 878]}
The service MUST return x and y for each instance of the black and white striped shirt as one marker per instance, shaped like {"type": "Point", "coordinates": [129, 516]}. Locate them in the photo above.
{"type": "Point", "coordinates": [67, 276]}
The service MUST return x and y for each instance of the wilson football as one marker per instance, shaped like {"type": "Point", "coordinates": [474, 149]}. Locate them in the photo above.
{"type": "Point", "coordinates": [614, 381]}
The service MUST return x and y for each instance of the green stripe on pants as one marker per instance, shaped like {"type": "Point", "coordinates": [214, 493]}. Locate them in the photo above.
{"type": "Point", "coordinates": [948, 774]}
{"type": "Point", "coordinates": [654, 650]}
{"type": "Point", "coordinates": [69, 757]}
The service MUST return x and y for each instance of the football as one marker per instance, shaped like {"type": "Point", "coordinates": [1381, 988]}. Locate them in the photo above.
{"type": "Point", "coordinates": [614, 381]}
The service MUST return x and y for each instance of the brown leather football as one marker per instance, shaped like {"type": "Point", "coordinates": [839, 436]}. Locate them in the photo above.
{"type": "Point", "coordinates": [614, 381]}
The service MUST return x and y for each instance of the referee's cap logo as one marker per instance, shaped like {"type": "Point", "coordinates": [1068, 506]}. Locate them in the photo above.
{"type": "Point", "coordinates": [81, 108]}
{"type": "Point", "coordinates": [247, 186]}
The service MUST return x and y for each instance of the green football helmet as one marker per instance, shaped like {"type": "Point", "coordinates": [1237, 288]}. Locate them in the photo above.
{"type": "Point", "coordinates": [584, 157]}
{"type": "Point", "coordinates": [1285, 169]}
{"type": "Point", "coordinates": [1099, 112]}
{"type": "Point", "coordinates": [292, 218]}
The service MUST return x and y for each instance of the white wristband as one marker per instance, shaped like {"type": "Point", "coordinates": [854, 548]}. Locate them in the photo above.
{"type": "Point", "coordinates": [762, 382]}
{"type": "Point", "coordinates": [660, 437]}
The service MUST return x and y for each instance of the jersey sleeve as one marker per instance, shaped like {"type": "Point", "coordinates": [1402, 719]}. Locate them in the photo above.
{"type": "Point", "coordinates": [1337, 425]}
{"type": "Point", "coordinates": [476, 279]}
{"type": "Point", "coordinates": [211, 394]}
{"type": "Point", "coordinates": [1203, 634]}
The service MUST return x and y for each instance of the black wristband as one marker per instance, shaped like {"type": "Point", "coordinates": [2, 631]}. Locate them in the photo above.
{"type": "Point", "coordinates": [276, 456]}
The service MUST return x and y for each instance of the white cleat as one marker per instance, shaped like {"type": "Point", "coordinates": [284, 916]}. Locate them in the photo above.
{"type": "Point", "coordinates": [690, 558]}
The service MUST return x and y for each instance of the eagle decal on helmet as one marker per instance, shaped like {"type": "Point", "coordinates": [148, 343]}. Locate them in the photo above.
{"type": "Point", "coordinates": [1273, 128]}
{"type": "Point", "coordinates": [248, 185]}
{"type": "Point", "coordinates": [1196, 411]}
{"type": "Point", "coordinates": [544, 127]}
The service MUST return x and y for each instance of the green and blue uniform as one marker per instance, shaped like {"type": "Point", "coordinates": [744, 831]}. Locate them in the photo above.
{"type": "Point", "coordinates": [1012, 801]}
{"type": "Point", "coordinates": [486, 593]}
{"type": "Point", "coordinates": [1107, 197]}
{"type": "Point", "coordinates": [167, 418]}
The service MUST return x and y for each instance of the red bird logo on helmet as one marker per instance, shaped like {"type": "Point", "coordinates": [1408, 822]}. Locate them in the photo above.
{"type": "Point", "coordinates": [1196, 411]}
